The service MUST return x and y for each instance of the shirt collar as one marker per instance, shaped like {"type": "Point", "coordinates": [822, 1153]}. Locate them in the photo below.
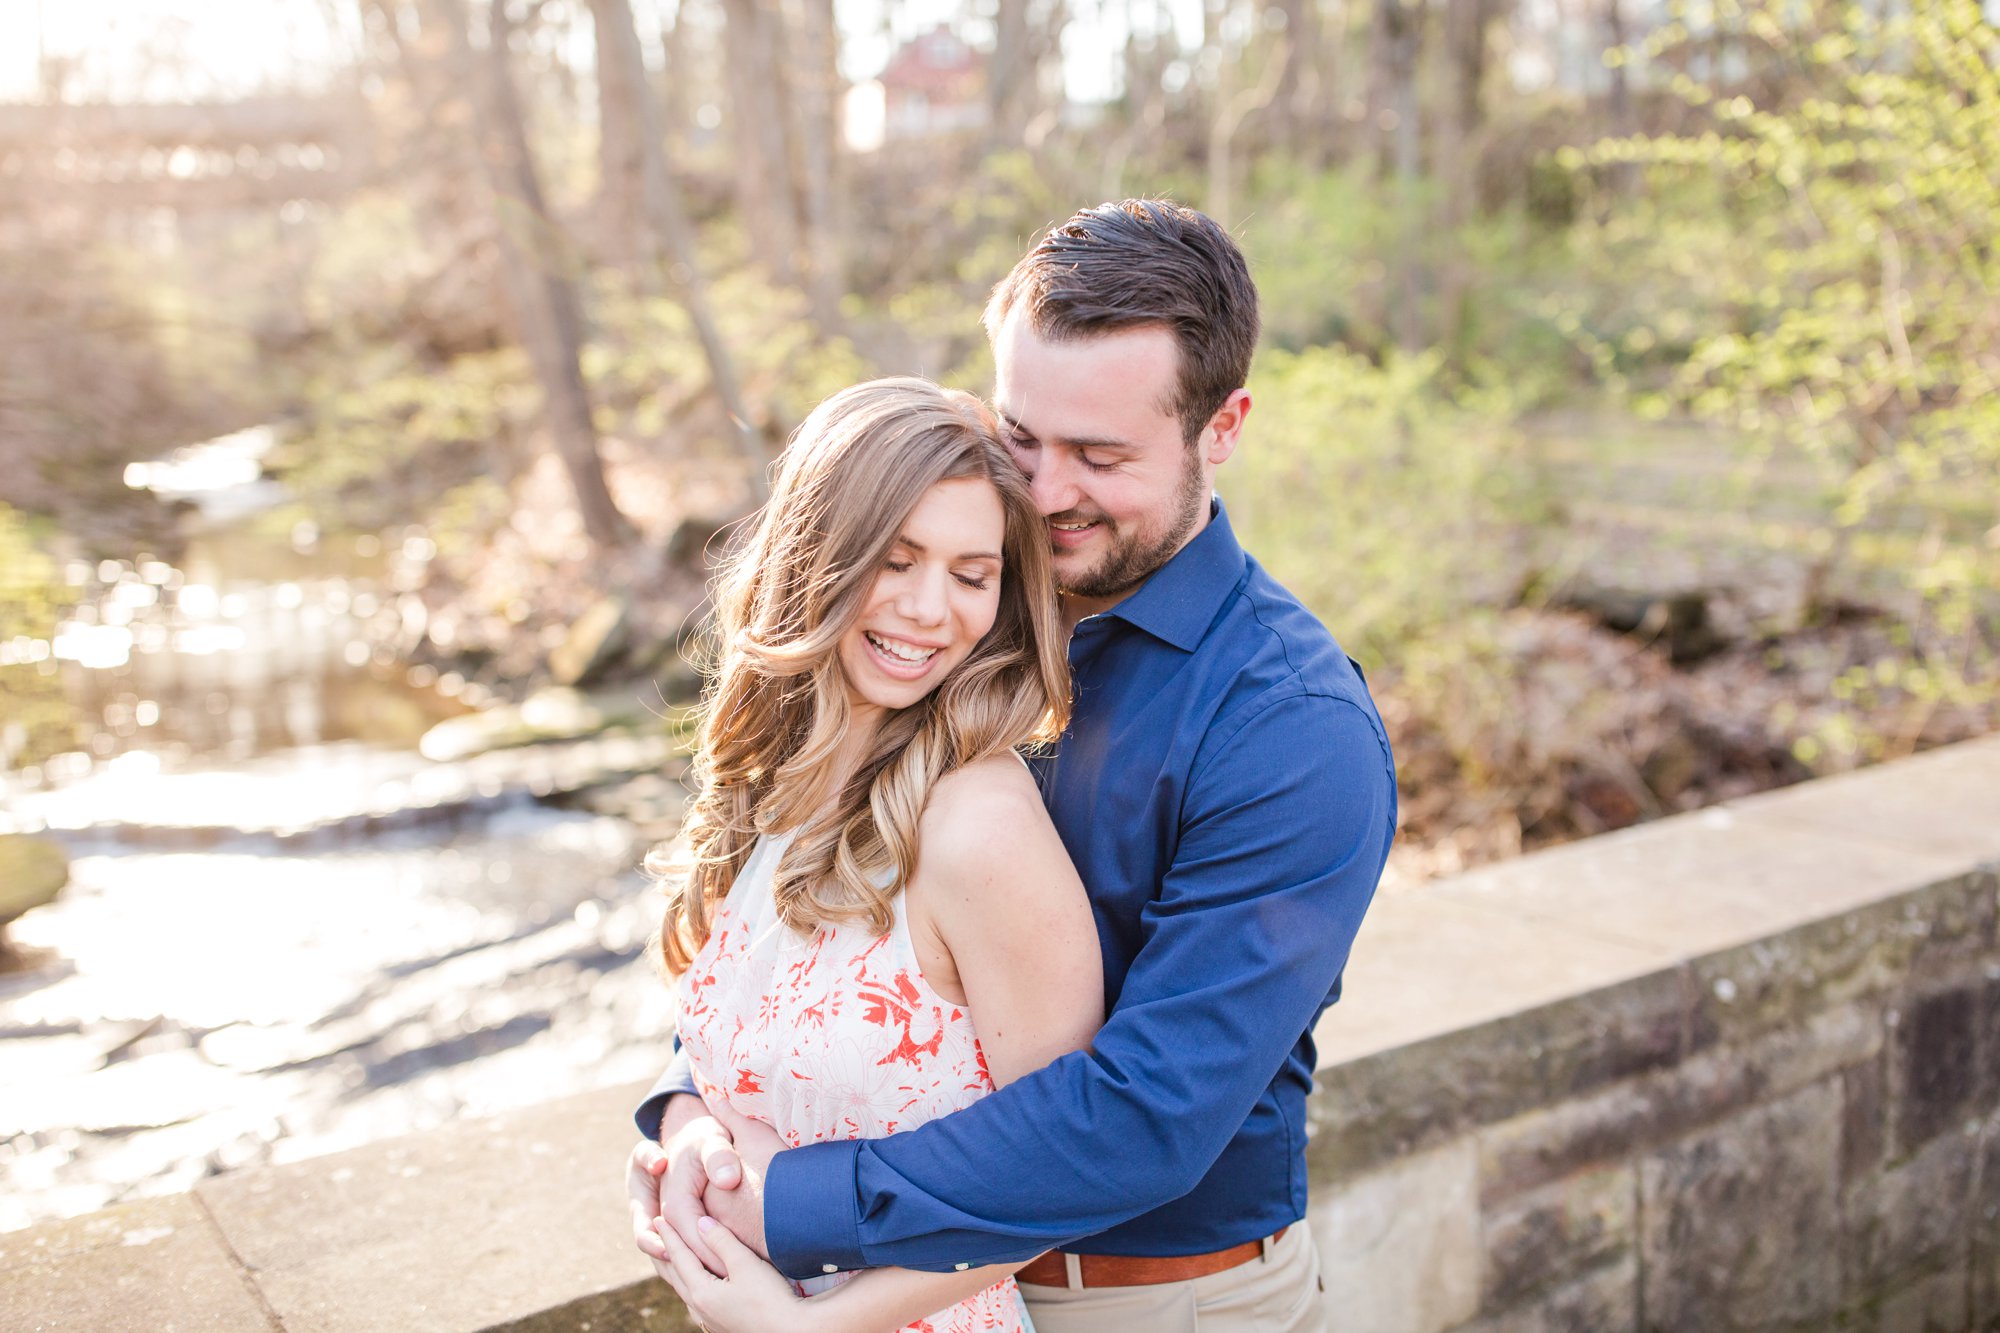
{"type": "Point", "coordinates": [1180, 600]}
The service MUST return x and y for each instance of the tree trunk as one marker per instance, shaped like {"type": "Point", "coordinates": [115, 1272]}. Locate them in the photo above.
{"type": "Point", "coordinates": [534, 258]}
{"type": "Point", "coordinates": [1395, 45]}
{"type": "Point", "coordinates": [759, 122]}
{"type": "Point", "coordinates": [622, 129]}
{"type": "Point", "coordinates": [1466, 25]}
{"type": "Point", "coordinates": [1145, 95]}
{"type": "Point", "coordinates": [1010, 79]}
{"type": "Point", "coordinates": [1465, 30]}
{"type": "Point", "coordinates": [1323, 82]}
{"type": "Point", "coordinates": [676, 93]}
{"type": "Point", "coordinates": [1232, 107]}
{"type": "Point", "coordinates": [1624, 176]}
{"type": "Point", "coordinates": [1396, 50]}
{"type": "Point", "coordinates": [816, 139]}
{"type": "Point", "coordinates": [662, 242]}
{"type": "Point", "coordinates": [1287, 115]}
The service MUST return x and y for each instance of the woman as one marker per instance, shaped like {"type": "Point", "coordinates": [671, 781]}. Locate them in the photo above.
{"type": "Point", "coordinates": [871, 865]}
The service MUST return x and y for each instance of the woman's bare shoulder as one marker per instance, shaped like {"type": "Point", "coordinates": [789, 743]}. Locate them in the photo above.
{"type": "Point", "coordinates": [995, 885]}
{"type": "Point", "coordinates": [984, 808]}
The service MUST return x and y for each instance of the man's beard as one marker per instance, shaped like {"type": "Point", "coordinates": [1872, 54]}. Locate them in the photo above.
{"type": "Point", "coordinates": [1129, 564]}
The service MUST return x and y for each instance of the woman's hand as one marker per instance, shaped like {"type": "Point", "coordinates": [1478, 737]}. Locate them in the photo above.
{"type": "Point", "coordinates": [750, 1296]}
{"type": "Point", "coordinates": [668, 1180]}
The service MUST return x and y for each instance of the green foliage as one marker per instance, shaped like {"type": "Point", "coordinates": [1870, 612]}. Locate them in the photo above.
{"type": "Point", "coordinates": [1344, 258]}
{"type": "Point", "coordinates": [1387, 506]}
{"type": "Point", "coordinates": [368, 257]}
{"type": "Point", "coordinates": [1832, 250]}
{"type": "Point", "coordinates": [1397, 515]}
{"type": "Point", "coordinates": [383, 433]}
{"type": "Point", "coordinates": [32, 600]}
{"type": "Point", "coordinates": [1400, 512]}
{"type": "Point", "coordinates": [1324, 243]}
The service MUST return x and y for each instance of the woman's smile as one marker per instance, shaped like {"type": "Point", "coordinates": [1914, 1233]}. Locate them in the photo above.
{"type": "Point", "coordinates": [932, 601]}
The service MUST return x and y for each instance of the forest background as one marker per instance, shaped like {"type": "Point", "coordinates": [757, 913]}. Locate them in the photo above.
{"type": "Point", "coordinates": [1629, 403]}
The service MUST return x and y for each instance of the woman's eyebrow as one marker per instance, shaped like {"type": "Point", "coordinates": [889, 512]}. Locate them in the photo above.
{"type": "Point", "coordinates": [921, 549]}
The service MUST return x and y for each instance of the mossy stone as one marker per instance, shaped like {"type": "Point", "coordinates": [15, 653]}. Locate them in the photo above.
{"type": "Point", "coordinates": [32, 872]}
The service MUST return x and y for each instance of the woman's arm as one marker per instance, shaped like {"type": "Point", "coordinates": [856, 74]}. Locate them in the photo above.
{"type": "Point", "coordinates": [753, 1297]}
{"type": "Point", "coordinates": [740, 1293]}
{"type": "Point", "coordinates": [1000, 922]}
{"type": "Point", "coordinates": [995, 890]}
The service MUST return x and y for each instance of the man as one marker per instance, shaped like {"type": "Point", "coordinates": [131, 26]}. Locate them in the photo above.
{"type": "Point", "coordinates": [1227, 794]}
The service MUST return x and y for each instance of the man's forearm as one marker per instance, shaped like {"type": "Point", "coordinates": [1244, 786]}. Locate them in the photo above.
{"type": "Point", "coordinates": [677, 1077]}
{"type": "Point", "coordinates": [681, 1109]}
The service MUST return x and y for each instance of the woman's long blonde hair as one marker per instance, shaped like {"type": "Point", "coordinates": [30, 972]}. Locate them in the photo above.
{"type": "Point", "coordinates": [776, 705]}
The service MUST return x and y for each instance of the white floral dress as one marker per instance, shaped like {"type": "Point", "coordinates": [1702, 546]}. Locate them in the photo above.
{"type": "Point", "coordinates": [831, 1036]}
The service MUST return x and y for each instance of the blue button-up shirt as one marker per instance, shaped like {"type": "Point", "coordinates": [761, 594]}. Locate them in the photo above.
{"type": "Point", "coordinates": [1227, 793]}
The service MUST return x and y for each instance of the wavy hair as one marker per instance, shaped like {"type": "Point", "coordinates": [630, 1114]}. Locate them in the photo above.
{"type": "Point", "coordinates": [775, 708]}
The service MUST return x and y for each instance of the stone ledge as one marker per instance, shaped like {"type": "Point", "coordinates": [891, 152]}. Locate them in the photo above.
{"type": "Point", "coordinates": [155, 1266]}
{"type": "Point", "coordinates": [1508, 938]}
{"type": "Point", "coordinates": [482, 1225]}
{"type": "Point", "coordinates": [1545, 978]}
{"type": "Point", "coordinates": [1587, 967]}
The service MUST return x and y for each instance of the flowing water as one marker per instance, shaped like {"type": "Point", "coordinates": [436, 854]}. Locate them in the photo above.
{"type": "Point", "coordinates": [287, 932]}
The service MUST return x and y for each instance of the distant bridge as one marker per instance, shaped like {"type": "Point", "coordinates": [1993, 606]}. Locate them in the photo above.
{"type": "Point", "coordinates": [216, 157]}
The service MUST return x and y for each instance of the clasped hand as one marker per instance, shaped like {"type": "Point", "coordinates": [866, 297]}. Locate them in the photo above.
{"type": "Point", "coordinates": [698, 1214]}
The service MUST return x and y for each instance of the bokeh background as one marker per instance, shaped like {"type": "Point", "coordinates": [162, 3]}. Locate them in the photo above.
{"type": "Point", "coordinates": [376, 377]}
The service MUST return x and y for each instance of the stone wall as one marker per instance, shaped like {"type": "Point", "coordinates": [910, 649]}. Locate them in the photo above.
{"type": "Point", "coordinates": [1734, 1070]}
{"type": "Point", "coordinates": [1792, 1122]}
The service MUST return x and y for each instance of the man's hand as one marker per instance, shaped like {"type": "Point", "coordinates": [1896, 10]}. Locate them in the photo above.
{"type": "Point", "coordinates": [666, 1182]}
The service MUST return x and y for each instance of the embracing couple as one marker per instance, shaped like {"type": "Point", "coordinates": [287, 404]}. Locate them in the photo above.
{"type": "Point", "coordinates": [973, 1043]}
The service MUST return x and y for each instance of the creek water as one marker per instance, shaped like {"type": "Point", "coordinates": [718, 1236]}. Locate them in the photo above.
{"type": "Point", "coordinates": [192, 1010]}
{"type": "Point", "coordinates": [287, 932]}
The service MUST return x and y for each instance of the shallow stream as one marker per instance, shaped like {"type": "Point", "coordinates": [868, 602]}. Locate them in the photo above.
{"type": "Point", "coordinates": [205, 997]}
{"type": "Point", "coordinates": [286, 931]}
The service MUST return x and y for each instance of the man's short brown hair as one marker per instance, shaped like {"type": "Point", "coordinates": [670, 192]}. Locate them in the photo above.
{"type": "Point", "coordinates": [1138, 262]}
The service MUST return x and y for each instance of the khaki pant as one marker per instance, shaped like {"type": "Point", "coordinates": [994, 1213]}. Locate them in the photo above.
{"type": "Point", "coordinates": [1276, 1294]}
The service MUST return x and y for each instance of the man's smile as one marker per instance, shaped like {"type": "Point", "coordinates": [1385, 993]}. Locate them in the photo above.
{"type": "Point", "coordinates": [1068, 533]}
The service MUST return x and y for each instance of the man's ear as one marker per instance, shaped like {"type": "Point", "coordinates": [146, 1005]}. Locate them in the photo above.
{"type": "Point", "coordinates": [1225, 428]}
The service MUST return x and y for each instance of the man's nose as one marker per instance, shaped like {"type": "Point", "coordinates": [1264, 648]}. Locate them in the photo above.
{"type": "Point", "coordinates": [1053, 483]}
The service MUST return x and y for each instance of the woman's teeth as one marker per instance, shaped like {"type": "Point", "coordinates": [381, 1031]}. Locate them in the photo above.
{"type": "Point", "coordinates": [902, 652]}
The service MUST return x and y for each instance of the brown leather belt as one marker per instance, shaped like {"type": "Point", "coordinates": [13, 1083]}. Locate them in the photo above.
{"type": "Point", "coordinates": [1136, 1270]}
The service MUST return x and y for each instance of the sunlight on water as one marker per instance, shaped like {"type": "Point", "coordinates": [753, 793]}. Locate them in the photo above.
{"type": "Point", "coordinates": [199, 1011]}
{"type": "Point", "coordinates": [313, 786]}
{"type": "Point", "coordinates": [97, 647]}
{"type": "Point", "coordinates": [228, 937]}
{"type": "Point", "coordinates": [223, 477]}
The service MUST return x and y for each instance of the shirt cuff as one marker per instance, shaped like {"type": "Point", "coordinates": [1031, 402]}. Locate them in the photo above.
{"type": "Point", "coordinates": [810, 1226]}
